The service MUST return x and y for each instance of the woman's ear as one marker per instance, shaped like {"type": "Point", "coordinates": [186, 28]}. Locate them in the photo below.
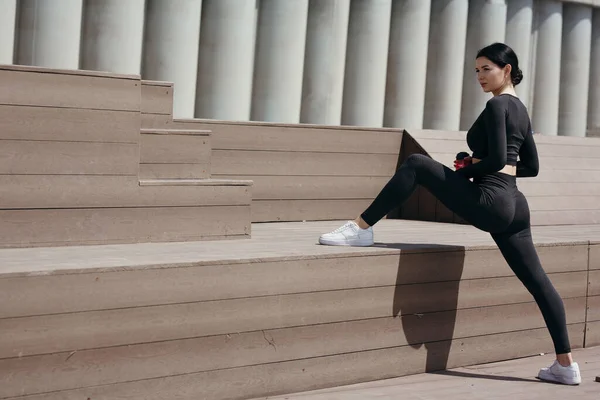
{"type": "Point", "coordinates": [507, 70]}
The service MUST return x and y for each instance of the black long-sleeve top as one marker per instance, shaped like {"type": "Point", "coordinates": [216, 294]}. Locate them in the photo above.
{"type": "Point", "coordinates": [501, 134]}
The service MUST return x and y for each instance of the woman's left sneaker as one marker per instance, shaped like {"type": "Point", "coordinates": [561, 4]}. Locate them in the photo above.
{"type": "Point", "coordinates": [349, 234]}
{"type": "Point", "coordinates": [557, 373]}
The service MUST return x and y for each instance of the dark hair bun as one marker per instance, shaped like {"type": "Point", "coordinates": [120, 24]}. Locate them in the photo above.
{"type": "Point", "coordinates": [516, 76]}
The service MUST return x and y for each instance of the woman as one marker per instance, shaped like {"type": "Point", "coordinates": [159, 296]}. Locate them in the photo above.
{"type": "Point", "coordinates": [491, 202]}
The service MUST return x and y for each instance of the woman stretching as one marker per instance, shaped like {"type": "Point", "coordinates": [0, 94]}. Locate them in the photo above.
{"type": "Point", "coordinates": [491, 202]}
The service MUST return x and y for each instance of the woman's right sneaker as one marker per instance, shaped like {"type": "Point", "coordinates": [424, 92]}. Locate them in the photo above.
{"type": "Point", "coordinates": [557, 373]}
{"type": "Point", "coordinates": [349, 234]}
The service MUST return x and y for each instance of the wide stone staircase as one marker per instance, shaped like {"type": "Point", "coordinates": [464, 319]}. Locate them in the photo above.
{"type": "Point", "coordinates": [115, 282]}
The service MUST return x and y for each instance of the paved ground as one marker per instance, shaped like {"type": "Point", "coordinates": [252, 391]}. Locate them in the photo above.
{"type": "Point", "coordinates": [514, 380]}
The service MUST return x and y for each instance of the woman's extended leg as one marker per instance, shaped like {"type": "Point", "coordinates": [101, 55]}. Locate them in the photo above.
{"type": "Point", "coordinates": [452, 189]}
{"type": "Point", "coordinates": [516, 245]}
{"type": "Point", "coordinates": [456, 192]}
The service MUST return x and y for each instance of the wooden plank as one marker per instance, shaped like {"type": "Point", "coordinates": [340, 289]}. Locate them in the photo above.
{"type": "Point", "coordinates": [329, 371]}
{"type": "Point", "coordinates": [61, 227]}
{"type": "Point", "coordinates": [158, 121]}
{"type": "Point", "coordinates": [68, 124]}
{"type": "Point", "coordinates": [77, 331]}
{"type": "Point", "coordinates": [592, 334]}
{"type": "Point", "coordinates": [594, 279]}
{"type": "Point", "coordinates": [420, 134]}
{"type": "Point", "coordinates": [594, 256]}
{"type": "Point", "coordinates": [565, 217]}
{"type": "Point", "coordinates": [306, 210]}
{"type": "Point", "coordinates": [304, 138]}
{"type": "Point", "coordinates": [234, 162]}
{"type": "Point", "coordinates": [63, 371]}
{"type": "Point", "coordinates": [564, 176]}
{"type": "Point", "coordinates": [562, 202]}
{"type": "Point", "coordinates": [23, 157]}
{"type": "Point", "coordinates": [76, 72]}
{"type": "Point", "coordinates": [545, 149]}
{"type": "Point", "coordinates": [175, 171]}
{"type": "Point", "coordinates": [593, 308]}
{"type": "Point", "coordinates": [157, 98]}
{"type": "Point", "coordinates": [113, 288]}
{"type": "Point", "coordinates": [69, 91]}
{"type": "Point", "coordinates": [269, 187]}
{"type": "Point", "coordinates": [93, 191]}
{"type": "Point", "coordinates": [174, 149]}
{"type": "Point", "coordinates": [530, 187]}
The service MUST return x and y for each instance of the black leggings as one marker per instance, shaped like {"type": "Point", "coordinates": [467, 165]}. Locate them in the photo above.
{"type": "Point", "coordinates": [493, 204]}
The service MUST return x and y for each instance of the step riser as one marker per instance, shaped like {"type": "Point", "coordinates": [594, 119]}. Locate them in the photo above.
{"type": "Point", "coordinates": [67, 227]}
{"type": "Point", "coordinates": [132, 363]}
{"type": "Point", "coordinates": [157, 328]}
{"type": "Point", "coordinates": [173, 156]}
{"type": "Point", "coordinates": [167, 284]}
{"type": "Point", "coordinates": [87, 191]}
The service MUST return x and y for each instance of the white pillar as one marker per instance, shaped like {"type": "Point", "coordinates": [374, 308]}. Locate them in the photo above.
{"type": "Point", "coordinates": [171, 49]}
{"type": "Point", "coordinates": [594, 92]}
{"type": "Point", "coordinates": [49, 33]}
{"type": "Point", "coordinates": [575, 70]}
{"type": "Point", "coordinates": [447, 37]}
{"type": "Point", "coordinates": [366, 62]}
{"type": "Point", "coordinates": [407, 64]}
{"type": "Point", "coordinates": [281, 37]}
{"type": "Point", "coordinates": [519, 20]}
{"type": "Point", "coordinates": [324, 63]}
{"type": "Point", "coordinates": [548, 27]}
{"type": "Point", "coordinates": [487, 25]}
{"type": "Point", "coordinates": [113, 35]}
{"type": "Point", "coordinates": [8, 18]}
{"type": "Point", "coordinates": [226, 64]}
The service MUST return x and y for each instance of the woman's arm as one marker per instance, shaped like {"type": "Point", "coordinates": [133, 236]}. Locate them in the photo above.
{"type": "Point", "coordinates": [528, 164]}
{"type": "Point", "coordinates": [495, 126]}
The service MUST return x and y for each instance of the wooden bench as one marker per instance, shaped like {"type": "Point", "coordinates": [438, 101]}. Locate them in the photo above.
{"type": "Point", "coordinates": [70, 172]}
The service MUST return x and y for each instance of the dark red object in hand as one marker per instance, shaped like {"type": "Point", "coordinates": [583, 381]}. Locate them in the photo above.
{"type": "Point", "coordinates": [462, 160]}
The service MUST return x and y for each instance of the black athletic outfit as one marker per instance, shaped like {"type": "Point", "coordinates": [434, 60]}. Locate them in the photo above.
{"type": "Point", "coordinates": [491, 202]}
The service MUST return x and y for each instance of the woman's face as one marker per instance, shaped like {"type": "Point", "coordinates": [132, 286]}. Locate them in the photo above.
{"type": "Point", "coordinates": [491, 77]}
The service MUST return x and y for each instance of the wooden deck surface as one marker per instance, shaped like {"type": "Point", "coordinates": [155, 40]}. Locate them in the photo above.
{"type": "Point", "coordinates": [292, 240]}
{"type": "Point", "coordinates": [514, 379]}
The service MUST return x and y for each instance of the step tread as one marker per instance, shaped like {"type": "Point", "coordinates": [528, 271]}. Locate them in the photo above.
{"type": "Point", "coordinates": [195, 182]}
{"type": "Point", "coordinates": [295, 241]}
{"type": "Point", "coordinates": [193, 132]}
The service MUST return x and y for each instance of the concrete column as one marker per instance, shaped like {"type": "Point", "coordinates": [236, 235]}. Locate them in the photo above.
{"type": "Point", "coordinates": [575, 70]}
{"type": "Point", "coordinates": [594, 91]}
{"type": "Point", "coordinates": [366, 62]}
{"type": "Point", "coordinates": [113, 35]}
{"type": "Point", "coordinates": [446, 59]}
{"type": "Point", "coordinates": [324, 63]}
{"type": "Point", "coordinates": [548, 27]}
{"type": "Point", "coordinates": [8, 18]}
{"type": "Point", "coordinates": [407, 64]}
{"type": "Point", "coordinates": [281, 37]}
{"type": "Point", "coordinates": [171, 49]}
{"type": "Point", "coordinates": [226, 63]}
{"type": "Point", "coordinates": [49, 33]}
{"type": "Point", "coordinates": [519, 21]}
{"type": "Point", "coordinates": [487, 24]}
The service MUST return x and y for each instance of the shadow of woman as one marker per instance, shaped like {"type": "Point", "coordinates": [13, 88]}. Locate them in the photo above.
{"type": "Point", "coordinates": [426, 297]}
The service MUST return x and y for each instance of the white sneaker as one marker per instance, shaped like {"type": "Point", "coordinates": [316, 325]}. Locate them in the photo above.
{"type": "Point", "coordinates": [557, 373]}
{"type": "Point", "coordinates": [348, 234]}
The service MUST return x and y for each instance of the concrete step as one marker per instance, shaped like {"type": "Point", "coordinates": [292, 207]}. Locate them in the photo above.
{"type": "Point", "coordinates": [276, 313]}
